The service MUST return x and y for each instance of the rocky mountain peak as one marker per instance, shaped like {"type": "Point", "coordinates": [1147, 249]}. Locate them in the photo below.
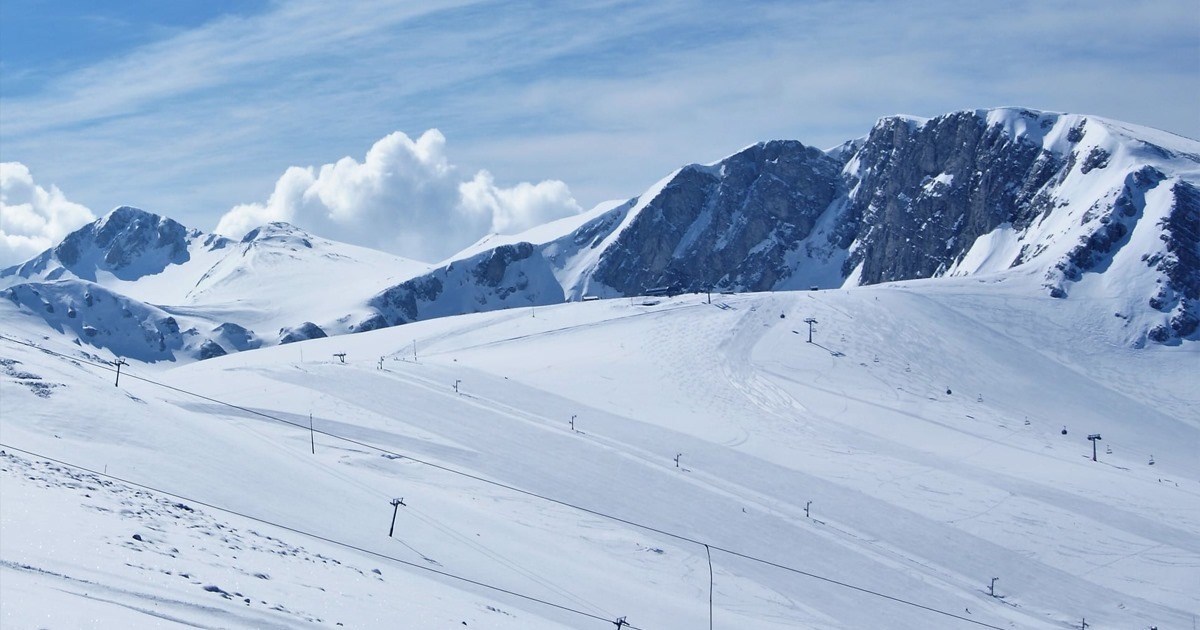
{"type": "Point", "coordinates": [127, 242]}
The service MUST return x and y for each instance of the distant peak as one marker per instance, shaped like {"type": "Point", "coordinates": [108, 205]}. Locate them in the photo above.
{"type": "Point", "coordinates": [126, 214]}
{"type": "Point", "coordinates": [278, 231]}
{"type": "Point", "coordinates": [273, 229]}
{"type": "Point", "coordinates": [908, 119]}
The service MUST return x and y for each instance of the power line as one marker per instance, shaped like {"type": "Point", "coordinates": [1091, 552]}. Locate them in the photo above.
{"type": "Point", "coordinates": [317, 536]}
{"type": "Point", "coordinates": [530, 493]}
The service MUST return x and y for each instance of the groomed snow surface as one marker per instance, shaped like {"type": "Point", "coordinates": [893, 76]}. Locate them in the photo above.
{"type": "Point", "coordinates": [924, 425]}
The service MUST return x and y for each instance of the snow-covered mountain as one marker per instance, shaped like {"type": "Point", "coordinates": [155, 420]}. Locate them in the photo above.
{"type": "Point", "coordinates": [971, 407]}
{"type": "Point", "coordinates": [1069, 206]}
{"type": "Point", "coordinates": [1086, 206]}
{"type": "Point", "coordinates": [933, 437]}
{"type": "Point", "coordinates": [139, 254]}
{"type": "Point", "coordinates": [145, 287]}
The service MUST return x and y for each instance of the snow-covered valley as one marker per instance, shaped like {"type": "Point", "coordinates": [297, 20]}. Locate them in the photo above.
{"type": "Point", "coordinates": [914, 450]}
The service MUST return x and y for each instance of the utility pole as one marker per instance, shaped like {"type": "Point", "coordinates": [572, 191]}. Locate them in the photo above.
{"type": "Point", "coordinates": [806, 506]}
{"type": "Point", "coordinates": [677, 456]}
{"type": "Point", "coordinates": [992, 587]}
{"type": "Point", "coordinates": [456, 382]}
{"type": "Point", "coordinates": [572, 422]}
{"type": "Point", "coordinates": [810, 321]}
{"type": "Point", "coordinates": [119, 362]}
{"type": "Point", "coordinates": [396, 503]}
{"type": "Point", "coordinates": [1093, 438]}
{"type": "Point", "coordinates": [381, 363]}
{"type": "Point", "coordinates": [414, 350]}
{"type": "Point", "coordinates": [620, 623]}
{"type": "Point", "coordinates": [1083, 624]}
{"type": "Point", "coordinates": [312, 438]}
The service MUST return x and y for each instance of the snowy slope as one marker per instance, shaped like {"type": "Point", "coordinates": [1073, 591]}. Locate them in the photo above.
{"type": "Point", "coordinates": [924, 425]}
{"type": "Point", "coordinates": [1099, 211]}
{"type": "Point", "coordinates": [144, 256]}
{"type": "Point", "coordinates": [280, 275]}
{"type": "Point", "coordinates": [228, 295]}
{"type": "Point", "coordinates": [1095, 208]}
{"type": "Point", "coordinates": [92, 315]}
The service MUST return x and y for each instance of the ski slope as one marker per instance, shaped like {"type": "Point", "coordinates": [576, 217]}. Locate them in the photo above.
{"type": "Point", "coordinates": [924, 425]}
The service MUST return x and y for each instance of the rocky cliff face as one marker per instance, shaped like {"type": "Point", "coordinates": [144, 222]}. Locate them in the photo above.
{"type": "Point", "coordinates": [503, 277]}
{"type": "Point", "coordinates": [975, 192]}
{"type": "Point", "coordinates": [726, 225]}
{"type": "Point", "coordinates": [1179, 297]}
{"type": "Point", "coordinates": [1076, 208]}
{"type": "Point", "coordinates": [923, 193]}
{"type": "Point", "coordinates": [128, 243]}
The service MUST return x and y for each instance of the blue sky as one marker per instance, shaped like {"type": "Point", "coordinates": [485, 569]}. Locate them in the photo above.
{"type": "Point", "coordinates": [189, 108]}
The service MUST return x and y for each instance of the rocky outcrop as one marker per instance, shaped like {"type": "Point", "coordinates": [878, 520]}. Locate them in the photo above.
{"type": "Point", "coordinates": [128, 243]}
{"type": "Point", "coordinates": [925, 192]}
{"type": "Point", "coordinates": [726, 225]}
{"type": "Point", "coordinates": [1180, 263]}
{"type": "Point", "coordinates": [503, 277]}
{"type": "Point", "coordinates": [95, 316]}
{"type": "Point", "coordinates": [978, 191]}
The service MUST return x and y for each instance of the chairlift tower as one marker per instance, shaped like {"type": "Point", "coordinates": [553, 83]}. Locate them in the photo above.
{"type": "Point", "coordinates": [810, 321]}
{"type": "Point", "coordinates": [1093, 438]}
{"type": "Point", "coordinates": [119, 362]}
{"type": "Point", "coordinates": [396, 503]}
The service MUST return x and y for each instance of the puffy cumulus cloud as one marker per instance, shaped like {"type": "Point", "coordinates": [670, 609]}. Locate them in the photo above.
{"type": "Point", "coordinates": [517, 208]}
{"type": "Point", "coordinates": [32, 218]}
{"type": "Point", "coordinates": [405, 197]}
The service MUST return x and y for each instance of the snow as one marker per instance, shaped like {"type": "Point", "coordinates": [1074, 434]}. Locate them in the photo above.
{"type": "Point", "coordinates": [992, 253]}
{"type": "Point", "coordinates": [284, 276]}
{"type": "Point", "coordinates": [925, 426]}
{"type": "Point", "coordinates": [915, 492]}
{"type": "Point", "coordinates": [276, 278]}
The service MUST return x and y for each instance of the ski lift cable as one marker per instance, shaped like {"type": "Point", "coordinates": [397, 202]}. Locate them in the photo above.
{"type": "Point", "coordinates": [511, 488]}
{"type": "Point", "coordinates": [327, 539]}
{"type": "Point", "coordinates": [502, 560]}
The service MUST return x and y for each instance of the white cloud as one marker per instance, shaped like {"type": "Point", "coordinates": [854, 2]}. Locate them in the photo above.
{"type": "Point", "coordinates": [520, 207]}
{"type": "Point", "coordinates": [405, 197]}
{"type": "Point", "coordinates": [32, 218]}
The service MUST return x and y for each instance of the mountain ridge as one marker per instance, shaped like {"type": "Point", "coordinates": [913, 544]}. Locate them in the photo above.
{"type": "Point", "coordinates": [970, 192]}
{"type": "Point", "coordinates": [1075, 206]}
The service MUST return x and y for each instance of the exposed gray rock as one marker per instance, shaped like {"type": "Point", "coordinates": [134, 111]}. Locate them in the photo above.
{"type": "Point", "coordinates": [1181, 264]}
{"type": "Point", "coordinates": [926, 192]}
{"type": "Point", "coordinates": [726, 225]}
{"type": "Point", "coordinates": [210, 349]}
{"type": "Point", "coordinates": [307, 330]}
{"type": "Point", "coordinates": [127, 242]}
{"type": "Point", "coordinates": [236, 336]}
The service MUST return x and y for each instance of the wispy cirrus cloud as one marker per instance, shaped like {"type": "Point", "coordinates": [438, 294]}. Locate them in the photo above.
{"type": "Point", "coordinates": [606, 96]}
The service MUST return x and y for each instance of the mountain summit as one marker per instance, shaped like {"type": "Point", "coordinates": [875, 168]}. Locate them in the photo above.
{"type": "Point", "coordinates": [127, 244]}
{"type": "Point", "coordinates": [1084, 206]}
{"type": "Point", "coordinates": [1068, 207]}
